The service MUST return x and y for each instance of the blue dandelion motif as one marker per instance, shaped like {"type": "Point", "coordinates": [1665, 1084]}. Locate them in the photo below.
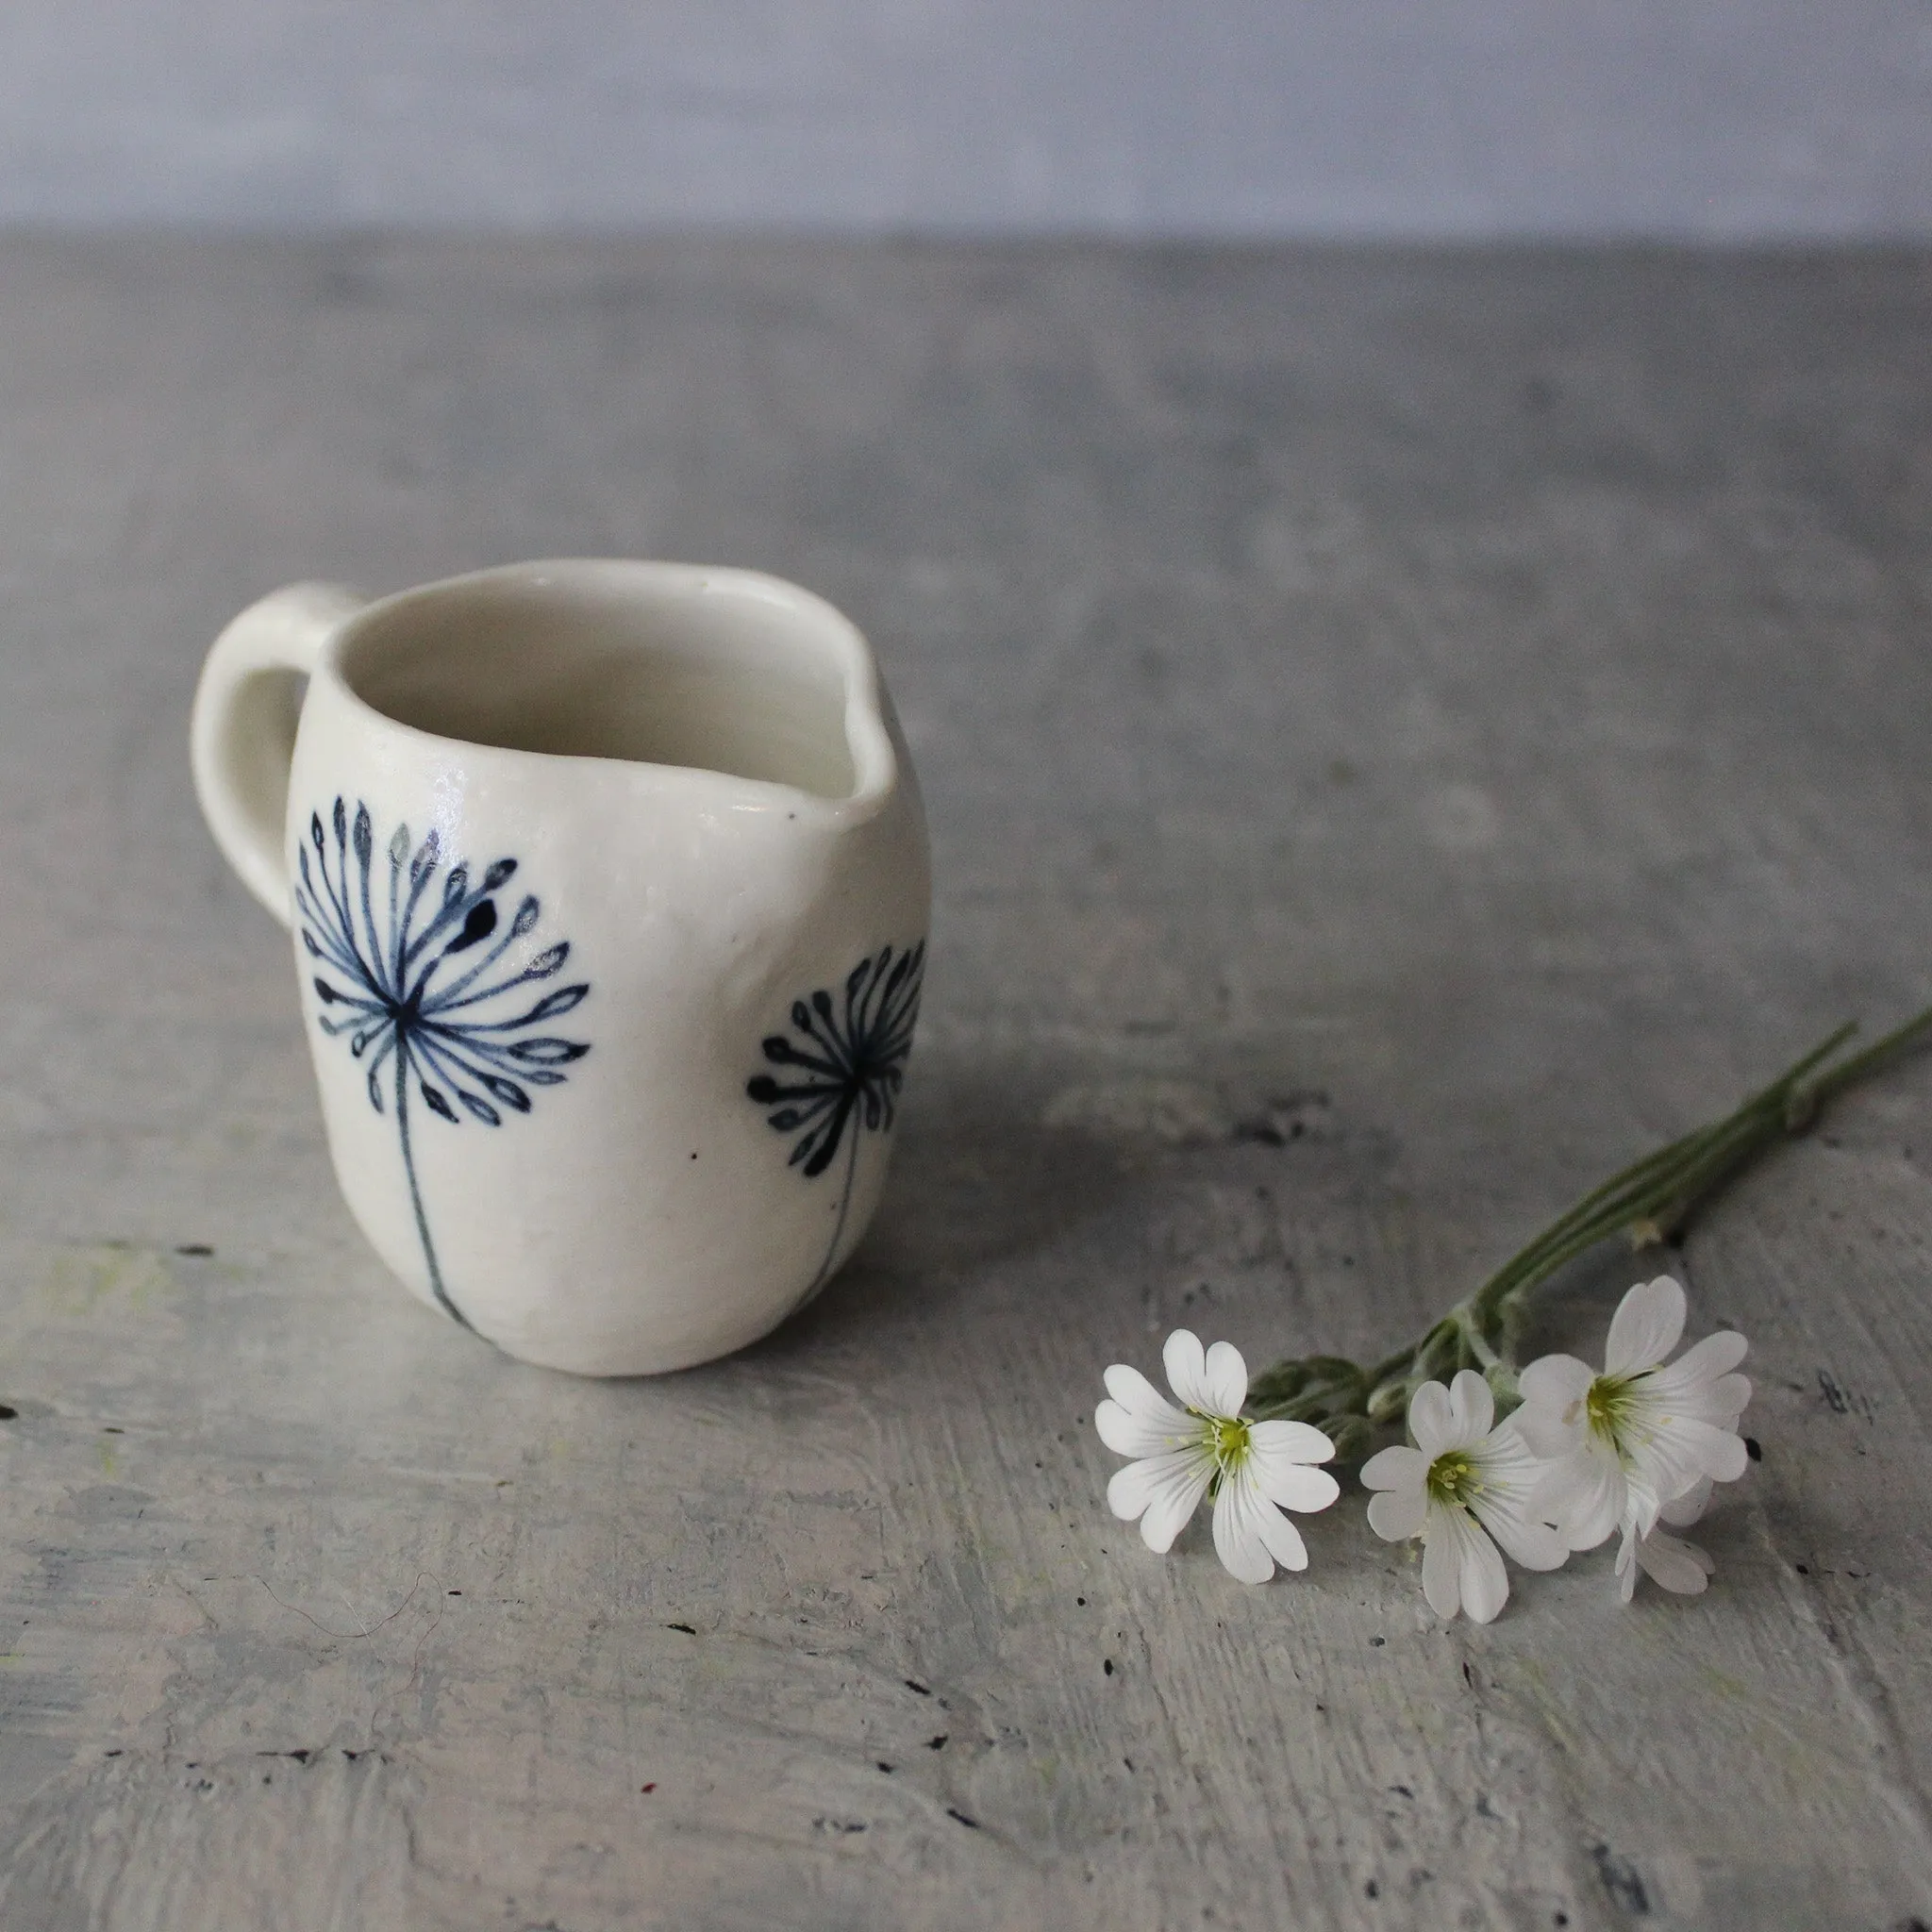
{"type": "Point", "coordinates": [843, 1064]}
{"type": "Point", "coordinates": [415, 977]}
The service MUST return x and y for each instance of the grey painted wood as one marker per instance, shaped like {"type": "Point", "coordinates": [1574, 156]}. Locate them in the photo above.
{"type": "Point", "coordinates": [1473, 708]}
{"type": "Point", "coordinates": [1717, 119]}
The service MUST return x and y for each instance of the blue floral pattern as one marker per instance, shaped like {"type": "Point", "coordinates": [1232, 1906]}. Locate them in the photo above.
{"type": "Point", "coordinates": [422, 983]}
{"type": "Point", "coordinates": [843, 1064]}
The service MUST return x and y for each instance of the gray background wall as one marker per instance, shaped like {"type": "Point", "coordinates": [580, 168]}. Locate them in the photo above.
{"type": "Point", "coordinates": [1726, 119]}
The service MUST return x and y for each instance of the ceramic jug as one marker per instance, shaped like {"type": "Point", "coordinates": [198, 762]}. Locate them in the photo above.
{"type": "Point", "coordinates": [608, 887]}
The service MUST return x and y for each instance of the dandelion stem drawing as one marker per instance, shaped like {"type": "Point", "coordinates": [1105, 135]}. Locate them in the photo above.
{"type": "Point", "coordinates": [393, 978]}
{"type": "Point", "coordinates": [844, 1064]}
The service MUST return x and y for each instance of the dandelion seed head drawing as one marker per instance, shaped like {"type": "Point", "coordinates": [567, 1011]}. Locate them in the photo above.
{"type": "Point", "coordinates": [427, 983]}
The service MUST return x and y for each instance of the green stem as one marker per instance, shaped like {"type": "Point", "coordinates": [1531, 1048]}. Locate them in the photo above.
{"type": "Point", "coordinates": [1650, 1199]}
{"type": "Point", "coordinates": [1684, 1171]}
{"type": "Point", "coordinates": [1899, 1040]}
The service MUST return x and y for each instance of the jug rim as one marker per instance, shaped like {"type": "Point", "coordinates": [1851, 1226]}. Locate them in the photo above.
{"type": "Point", "coordinates": [868, 739]}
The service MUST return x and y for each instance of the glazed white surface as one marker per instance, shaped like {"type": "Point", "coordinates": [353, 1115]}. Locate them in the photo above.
{"type": "Point", "coordinates": [641, 1216]}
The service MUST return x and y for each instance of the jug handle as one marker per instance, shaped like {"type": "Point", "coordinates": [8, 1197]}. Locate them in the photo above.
{"type": "Point", "coordinates": [241, 738]}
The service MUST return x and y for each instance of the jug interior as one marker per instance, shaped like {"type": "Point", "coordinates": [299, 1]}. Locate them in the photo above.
{"type": "Point", "coordinates": [718, 679]}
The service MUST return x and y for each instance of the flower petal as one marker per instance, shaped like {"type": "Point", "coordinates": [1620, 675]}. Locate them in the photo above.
{"type": "Point", "coordinates": [1726, 1458]}
{"type": "Point", "coordinates": [1483, 1581]}
{"type": "Point", "coordinates": [1472, 1408]}
{"type": "Point", "coordinates": [1173, 1505]}
{"type": "Point", "coordinates": [1552, 1388]}
{"type": "Point", "coordinates": [1671, 1452]}
{"type": "Point", "coordinates": [1283, 1539]}
{"type": "Point", "coordinates": [1583, 1494]}
{"type": "Point", "coordinates": [1641, 1503]}
{"type": "Point", "coordinates": [1282, 1457]}
{"type": "Point", "coordinates": [1529, 1542]}
{"type": "Point", "coordinates": [1137, 1394]}
{"type": "Point", "coordinates": [1297, 1486]}
{"type": "Point", "coordinates": [1719, 1403]}
{"type": "Point", "coordinates": [1431, 1422]}
{"type": "Point", "coordinates": [1226, 1381]}
{"type": "Point", "coordinates": [1673, 1563]}
{"type": "Point", "coordinates": [1648, 1323]}
{"type": "Point", "coordinates": [1252, 1535]}
{"type": "Point", "coordinates": [1395, 1515]}
{"type": "Point", "coordinates": [1507, 1456]}
{"type": "Point", "coordinates": [1162, 1491]}
{"type": "Point", "coordinates": [1688, 1507]}
{"type": "Point", "coordinates": [1276, 1442]}
{"type": "Point", "coordinates": [1236, 1536]}
{"type": "Point", "coordinates": [1626, 1565]}
{"type": "Point", "coordinates": [1546, 1434]}
{"type": "Point", "coordinates": [1699, 1382]}
{"type": "Point", "coordinates": [1148, 1425]}
{"type": "Point", "coordinates": [1729, 1395]}
{"type": "Point", "coordinates": [1556, 1380]}
{"type": "Point", "coordinates": [1704, 1362]}
{"type": "Point", "coordinates": [1186, 1363]}
{"type": "Point", "coordinates": [1397, 1468]}
{"type": "Point", "coordinates": [1507, 1501]}
{"type": "Point", "coordinates": [1443, 1560]}
{"type": "Point", "coordinates": [1130, 1490]}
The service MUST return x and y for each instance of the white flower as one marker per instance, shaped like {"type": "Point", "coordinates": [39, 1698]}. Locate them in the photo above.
{"type": "Point", "coordinates": [1462, 1484]}
{"type": "Point", "coordinates": [1249, 1466]}
{"type": "Point", "coordinates": [1684, 1567]}
{"type": "Point", "coordinates": [1640, 1435]}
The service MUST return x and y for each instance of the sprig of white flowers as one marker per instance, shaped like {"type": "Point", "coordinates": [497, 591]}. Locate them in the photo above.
{"type": "Point", "coordinates": [1579, 1455]}
{"type": "Point", "coordinates": [1638, 1445]}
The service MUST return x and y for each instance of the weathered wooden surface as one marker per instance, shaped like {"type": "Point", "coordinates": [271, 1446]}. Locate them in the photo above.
{"type": "Point", "coordinates": [1469, 715]}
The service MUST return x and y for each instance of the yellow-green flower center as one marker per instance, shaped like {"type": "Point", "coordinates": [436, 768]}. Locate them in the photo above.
{"type": "Point", "coordinates": [1609, 1407]}
{"type": "Point", "coordinates": [1452, 1478]}
{"type": "Point", "coordinates": [1227, 1440]}
{"type": "Point", "coordinates": [1228, 1436]}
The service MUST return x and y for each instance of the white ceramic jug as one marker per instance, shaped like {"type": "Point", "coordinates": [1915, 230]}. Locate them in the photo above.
{"type": "Point", "coordinates": [609, 885]}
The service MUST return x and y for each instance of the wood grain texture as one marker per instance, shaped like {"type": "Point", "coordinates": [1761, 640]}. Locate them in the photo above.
{"type": "Point", "coordinates": [1402, 734]}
